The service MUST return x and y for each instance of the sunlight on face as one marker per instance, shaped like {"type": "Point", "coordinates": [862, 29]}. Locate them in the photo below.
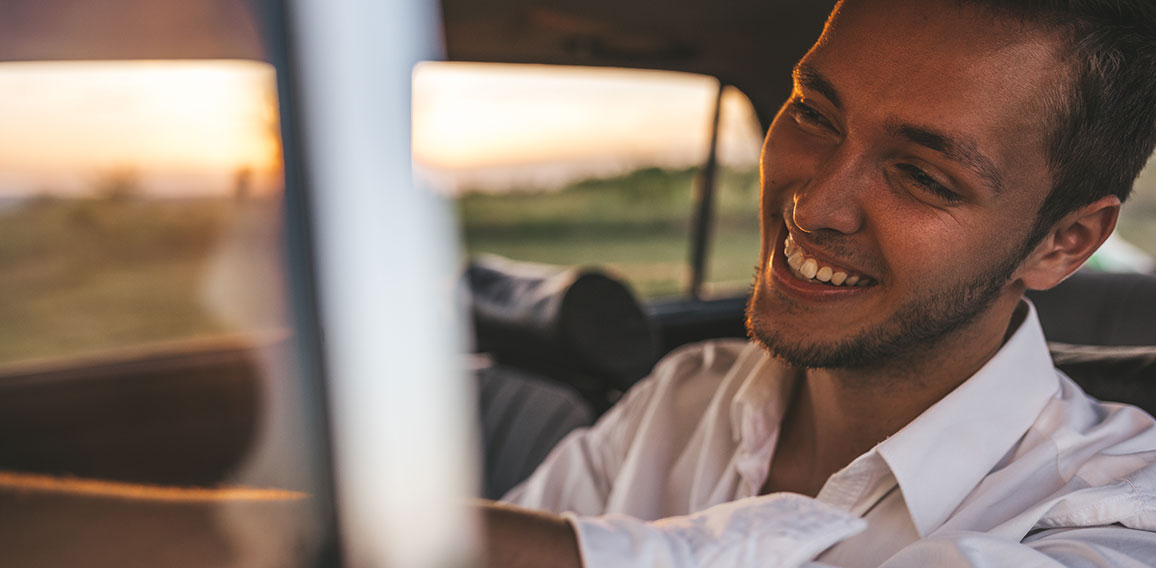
{"type": "Point", "coordinates": [66, 122]}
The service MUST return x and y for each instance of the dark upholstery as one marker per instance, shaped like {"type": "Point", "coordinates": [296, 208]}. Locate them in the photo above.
{"type": "Point", "coordinates": [183, 413]}
{"type": "Point", "coordinates": [1119, 374]}
{"type": "Point", "coordinates": [567, 323]}
{"type": "Point", "coordinates": [523, 417]}
{"type": "Point", "coordinates": [1096, 308]}
{"type": "Point", "coordinates": [1101, 328]}
{"type": "Point", "coordinates": [563, 341]}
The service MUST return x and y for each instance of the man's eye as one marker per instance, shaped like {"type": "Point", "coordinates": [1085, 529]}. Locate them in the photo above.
{"type": "Point", "coordinates": [928, 184]}
{"type": "Point", "coordinates": [807, 116]}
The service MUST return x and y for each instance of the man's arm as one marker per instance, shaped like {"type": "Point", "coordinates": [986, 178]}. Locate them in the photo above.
{"type": "Point", "coordinates": [773, 531]}
{"type": "Point", "coordinates": [1113, 546]}
{"type": "Point", "coordinates": [518, 537]}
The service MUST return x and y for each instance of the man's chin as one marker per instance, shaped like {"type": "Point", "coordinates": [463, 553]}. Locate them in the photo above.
{"type": "Point", "coordinates": [796, 352]}
{"type": "Point", "coordinates": [913, 330]}
{"type": "Point", "coordinates": [865, 348]}
{"type": "Point", "coordinates": [813, 355]}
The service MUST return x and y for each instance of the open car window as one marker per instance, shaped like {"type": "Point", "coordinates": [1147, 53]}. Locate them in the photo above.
{"type": "Point", "coordinates": [139, 205]}
{"type": "Point", "coordinates": [591, 166]}
{"type": "Point", "coordinates": [146, 350]}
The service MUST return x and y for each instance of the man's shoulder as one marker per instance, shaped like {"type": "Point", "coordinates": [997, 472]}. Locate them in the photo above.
{"type": "Point", "coordinates": [690, 379]}
{"type": "Point", "coordinates": [1105, 457]}
{"type": "Point", "coordinates": [697, 365]}
{"type": "Point", "coordinates": [1075, 419]}
{"type": "Point", "coordinates": [620, 463]}
{"type": "Point", "coordinates": [712, 356]}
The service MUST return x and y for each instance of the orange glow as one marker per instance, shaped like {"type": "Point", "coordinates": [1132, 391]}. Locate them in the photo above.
{"type": "Point", "coordinates": [469, 115]}
{"type": "Point", "coordinates": [198, 122]}
{"type": "Point", "coordinates": [33, 483]}
{"type": "Point", "coordinates": [478, 123]}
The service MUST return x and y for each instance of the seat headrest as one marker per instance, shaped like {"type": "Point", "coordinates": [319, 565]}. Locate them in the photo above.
{"type": "Point", "coordinates": [558, 320]}
{"type": "Point", "coordinates": [1099, 308]}
{"type": "Point", "coordinates": [1118, 374]}
{"type": "Point", "coordinates": [1101, 330]}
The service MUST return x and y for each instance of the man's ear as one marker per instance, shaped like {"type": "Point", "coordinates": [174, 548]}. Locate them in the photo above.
{"type": "Point", "coordinates": [1069, 243]}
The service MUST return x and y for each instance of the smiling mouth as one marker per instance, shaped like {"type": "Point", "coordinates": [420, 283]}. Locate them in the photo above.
{"type": "Point", "coordinates": [809, 269]}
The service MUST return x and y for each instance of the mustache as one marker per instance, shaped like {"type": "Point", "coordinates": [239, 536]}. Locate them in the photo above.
{"type": "Point", "coordinates": [835, 244]}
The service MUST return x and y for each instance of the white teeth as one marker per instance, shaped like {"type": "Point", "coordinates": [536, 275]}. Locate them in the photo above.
{"type": "Point", "coordinates": [810, 268]}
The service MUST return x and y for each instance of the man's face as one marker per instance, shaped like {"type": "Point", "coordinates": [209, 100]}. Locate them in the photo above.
{"type": "Point", "coordinates": [907, 168]}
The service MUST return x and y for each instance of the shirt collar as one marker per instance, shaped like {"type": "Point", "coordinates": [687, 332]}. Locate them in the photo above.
{"type": "Point", "coordinates": [756, 413]}
{"type": "Point", "coordinates": [762, 398]}
{"type": "Point", "coordinates": [945, 452]}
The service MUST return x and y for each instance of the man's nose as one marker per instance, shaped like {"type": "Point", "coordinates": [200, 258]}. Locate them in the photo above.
{"type": "Point", "coordinates": [832, 199]}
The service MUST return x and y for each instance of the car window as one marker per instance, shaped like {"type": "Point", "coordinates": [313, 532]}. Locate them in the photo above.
{"type": "Point", "coordinates": [145, 336]}
{"type": "Point", "coordinates": [735, 240]}
{"type": "Point", "coordinates": [138, 205]}
{"type": "Point", "coordinates": [584, 166]}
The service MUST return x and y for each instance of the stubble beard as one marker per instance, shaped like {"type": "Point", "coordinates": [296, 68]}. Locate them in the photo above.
{"type": "Point", "coordinates": [917, 326]}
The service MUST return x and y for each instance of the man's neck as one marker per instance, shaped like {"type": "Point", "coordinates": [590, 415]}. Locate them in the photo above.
{"type": "Point", "coordinates": [836, 415]}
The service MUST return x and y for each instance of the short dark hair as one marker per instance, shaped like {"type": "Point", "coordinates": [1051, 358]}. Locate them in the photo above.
{"type": "Point", "coordinates": [1105, 127]}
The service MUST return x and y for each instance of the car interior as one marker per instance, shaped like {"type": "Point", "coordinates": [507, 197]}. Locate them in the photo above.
{"type": "Point", "coordinates": [554, 345]}
{"type": "Point", "coordinates": [1099, 325]}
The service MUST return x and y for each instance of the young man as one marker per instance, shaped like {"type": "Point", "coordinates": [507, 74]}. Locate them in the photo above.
{"type": "Point", "coordinates": [936, 159]}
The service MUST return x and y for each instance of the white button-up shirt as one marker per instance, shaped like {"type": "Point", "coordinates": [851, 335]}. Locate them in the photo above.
{"type": "Point", "coordinates": [1015, 467]}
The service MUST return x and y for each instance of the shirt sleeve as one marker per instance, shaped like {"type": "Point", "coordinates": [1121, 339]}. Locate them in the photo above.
{"type": "Point", "coordinates": [580, 473]}
{"type": "Point", "coordinates": [1113, 546]}
{"type": "Point", "coordinates": [782, 530]}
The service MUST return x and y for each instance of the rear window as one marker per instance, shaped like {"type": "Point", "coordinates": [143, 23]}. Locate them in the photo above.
{"type": "Point", "coordinates": [584, 166]}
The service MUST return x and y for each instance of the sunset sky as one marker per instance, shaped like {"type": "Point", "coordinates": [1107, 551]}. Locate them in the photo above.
{"type": "Point", "coordinates": [182, 126]}
{"type": "Point", "coordinates": [187, 127]}
{"type": "Point", "coordinates": [494, 125]}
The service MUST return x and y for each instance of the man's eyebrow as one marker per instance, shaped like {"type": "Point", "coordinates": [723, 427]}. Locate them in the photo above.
{"type": "Point", "coordinates": [960, 150]}
{"type": "Point", "coordinates": [811, 78]}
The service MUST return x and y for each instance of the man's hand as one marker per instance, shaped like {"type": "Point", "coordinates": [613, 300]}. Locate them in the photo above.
{"type": "Point", "coordinates": [517, 537]}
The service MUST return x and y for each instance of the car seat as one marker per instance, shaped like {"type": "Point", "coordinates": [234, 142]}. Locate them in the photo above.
{"type": "Point", "coordinates": [1101, 329]}
{"type": "Point", "coordinates": [560, 344]}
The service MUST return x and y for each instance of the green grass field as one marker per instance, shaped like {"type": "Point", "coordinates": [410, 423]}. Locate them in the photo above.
{"type": "Point", "coordinates": [637, 226]}
{"type": "Point", "coordinates": [80, 275]}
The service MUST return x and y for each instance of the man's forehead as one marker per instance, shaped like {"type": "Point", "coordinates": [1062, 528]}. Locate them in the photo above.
{"type": "Point", "coordinates": [929, 72]}
{"type": "Point", "coordinates": [937, 51]}
{"type": "Point", "coordinates": [978, 27]}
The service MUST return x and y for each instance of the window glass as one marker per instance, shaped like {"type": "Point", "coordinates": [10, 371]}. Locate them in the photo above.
{"type": "Point", "coordinates": [145, 340]}
{"type": "Point", "coordinates": [735, 238]}
{"type": "Point", "coordinates": [1136, 226]}
{"type": "Point", "coordinates": [571, 166]}
{"type": "Point", "coordinates": [138, 204]}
